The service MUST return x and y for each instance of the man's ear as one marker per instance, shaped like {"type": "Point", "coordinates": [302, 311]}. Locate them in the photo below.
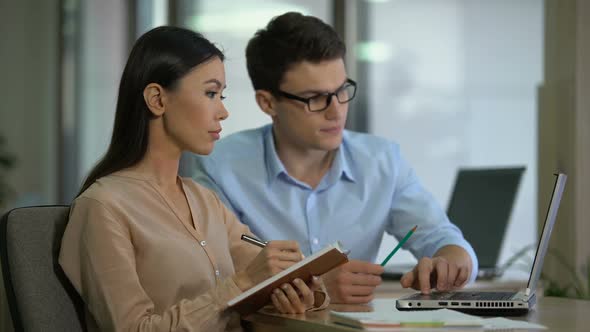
{"type": "Point", "coordinates": [266, 101]}
{"type": "Point", "coordinates": [152, 95]}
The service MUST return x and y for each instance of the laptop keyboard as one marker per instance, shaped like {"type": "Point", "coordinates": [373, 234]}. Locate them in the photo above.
{"type": "Point", "coordinates": [488, 296]}
{"type": "Point", "coordinates": [466, 296]}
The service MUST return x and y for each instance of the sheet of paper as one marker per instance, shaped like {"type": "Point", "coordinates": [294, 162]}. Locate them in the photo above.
{"type": "Point", "coordinates": [499, 323]}
{"type": "Point", "coordinates": [384, 312]}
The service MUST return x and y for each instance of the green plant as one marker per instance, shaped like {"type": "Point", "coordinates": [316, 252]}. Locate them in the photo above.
{"type": "Point", "coordinates": [6, 163]}
{"type": "Point", "coordinates": [575, 287]}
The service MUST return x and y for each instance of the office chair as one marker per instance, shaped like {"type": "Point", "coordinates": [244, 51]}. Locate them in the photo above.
{"type": "Point", "coordinates": [40, 297]}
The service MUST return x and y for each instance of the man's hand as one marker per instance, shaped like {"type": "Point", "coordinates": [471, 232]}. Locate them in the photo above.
{"type": "Point", "coordinates": [449, 269]}
{"type": "Point", "coordinates": [353, 282]}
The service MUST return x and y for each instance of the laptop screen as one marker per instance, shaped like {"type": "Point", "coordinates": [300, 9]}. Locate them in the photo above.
{"type": "Point", "coordinates": [547, 229]}
{"type": "Point", "coordinates": [481, 205]}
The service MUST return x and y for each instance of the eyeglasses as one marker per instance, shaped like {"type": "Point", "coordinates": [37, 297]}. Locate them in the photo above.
{"type": "Point", "coordinates": [320, 102]}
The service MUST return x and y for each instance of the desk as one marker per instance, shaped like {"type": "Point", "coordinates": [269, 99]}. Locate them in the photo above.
{"type": "Point", "coordinates": [557, 314]}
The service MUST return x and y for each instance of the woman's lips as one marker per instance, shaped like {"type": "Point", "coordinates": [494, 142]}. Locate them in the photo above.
{"type": "Point", "coordinates": [215, 134]}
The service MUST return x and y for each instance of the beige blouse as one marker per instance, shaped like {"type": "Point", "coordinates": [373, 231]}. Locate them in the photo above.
{"type": "Point", "coordinates": [139, 267]}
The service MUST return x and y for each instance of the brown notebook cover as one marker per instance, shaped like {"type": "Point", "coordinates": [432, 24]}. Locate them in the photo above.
{"type": "Point", "coordinates": [314, 265]}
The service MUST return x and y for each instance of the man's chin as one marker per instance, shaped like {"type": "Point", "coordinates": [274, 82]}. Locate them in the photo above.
{"type": "Point", "coordinates": [332, 144]}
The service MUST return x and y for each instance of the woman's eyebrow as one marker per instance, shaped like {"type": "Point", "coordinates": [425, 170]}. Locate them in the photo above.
{"type": "Point", "coordinates": [216, 82]}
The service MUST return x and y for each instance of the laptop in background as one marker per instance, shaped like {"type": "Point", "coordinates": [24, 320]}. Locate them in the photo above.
{"type": "Point", "coordinates": [490, 302]}
{"type": "Point", "coordinates": [480, 205]}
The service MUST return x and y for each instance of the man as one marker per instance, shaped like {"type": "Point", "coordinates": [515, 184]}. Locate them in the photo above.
{"type": "Point", "coordinates": [306, 178]}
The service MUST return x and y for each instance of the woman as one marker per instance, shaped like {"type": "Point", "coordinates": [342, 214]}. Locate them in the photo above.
{"type": "Point", "coordinates": [148, 250]}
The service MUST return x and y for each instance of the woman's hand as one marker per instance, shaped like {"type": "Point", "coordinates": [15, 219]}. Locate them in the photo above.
{"type": "Point", "coordinates": [296, 298]}
{"type": "Point", "coordinates": [275, 257]}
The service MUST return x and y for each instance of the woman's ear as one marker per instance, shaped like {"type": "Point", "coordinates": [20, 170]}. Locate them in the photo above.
{"type": "Point", "coordinates": [266, 102]}
{"type": "Point", "coordinates": [152, 95]}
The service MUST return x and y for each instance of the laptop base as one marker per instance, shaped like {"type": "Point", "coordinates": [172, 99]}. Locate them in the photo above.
{"type": "Point", "coordinates": [476, 303]}
{"type": "Point", "coordinates": [481, 312]}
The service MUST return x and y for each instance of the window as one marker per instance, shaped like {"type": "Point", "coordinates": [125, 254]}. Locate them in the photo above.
{"type": "Point", "coordinates": [454, 83]}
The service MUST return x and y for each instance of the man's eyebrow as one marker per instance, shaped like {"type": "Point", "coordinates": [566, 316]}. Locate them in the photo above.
{"type": "Point", "coordinates": [320, 91]}
{"type": "Point", "coordinates": [216, 82]}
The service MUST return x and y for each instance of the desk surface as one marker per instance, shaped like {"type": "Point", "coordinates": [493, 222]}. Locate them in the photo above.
{"type": "Point", "coordinates": [557, 314]}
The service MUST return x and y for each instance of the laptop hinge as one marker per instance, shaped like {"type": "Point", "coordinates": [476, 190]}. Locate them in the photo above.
{"type": "Point", "coordinates": [526, 295]}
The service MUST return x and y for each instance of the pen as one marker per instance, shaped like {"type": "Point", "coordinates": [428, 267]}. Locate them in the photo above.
{"type": "Point", "coordinates": [399, 245]}
{"type": "Point", "coordinates": [257, 242]}
{"type": "Point", "coordinates": [253, 241]}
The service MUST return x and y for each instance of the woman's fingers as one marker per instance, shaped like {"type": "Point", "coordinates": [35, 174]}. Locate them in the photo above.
{"type": "Point", "coordinates": [316, 284]}
{"type": "Point", "coordinates": [275, 301]}
{"type": "Point", "coordinates": [284, 303]}
{"type": "Point", "coordinates": [305, 293]}
{"type": "Point", "coordinates": [293, 299]}
{"type": "Point", "coordinates": [289, 250]}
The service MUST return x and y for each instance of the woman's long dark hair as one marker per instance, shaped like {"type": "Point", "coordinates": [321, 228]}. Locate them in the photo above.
{"type": "Point", "coordinates": [163, 56]}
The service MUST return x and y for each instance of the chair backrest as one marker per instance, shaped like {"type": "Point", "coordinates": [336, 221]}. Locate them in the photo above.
{"type": "Point", "coordinates": [39, 294]}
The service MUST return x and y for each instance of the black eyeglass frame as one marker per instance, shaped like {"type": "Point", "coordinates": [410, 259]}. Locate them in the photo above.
{"type": "Point", "coordinates": [327, 94]}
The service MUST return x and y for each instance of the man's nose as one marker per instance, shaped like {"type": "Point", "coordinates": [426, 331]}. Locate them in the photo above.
{"type": "Point", "coordinates": [334, 108]}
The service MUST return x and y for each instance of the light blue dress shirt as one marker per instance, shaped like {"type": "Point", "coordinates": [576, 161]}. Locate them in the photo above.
{"type": "Point", "coordinates": [370, 189]}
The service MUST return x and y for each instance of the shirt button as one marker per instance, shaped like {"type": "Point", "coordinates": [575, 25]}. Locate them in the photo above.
{"type": "Point", "coordinates": [203, 243]}
{"type": "Point", "coordinates": [217, 273]}
{"type": "Point", "coordinates": [315, 240]}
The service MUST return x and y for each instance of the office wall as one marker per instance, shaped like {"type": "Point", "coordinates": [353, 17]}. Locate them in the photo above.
{"type": "Point", "coordinates": [28, 89]}
{"type": "Point", "coordinates": [28, 122]}
{"type": "Point", "coordinates": [103, 53]}
{"type": "Point", "coordinates": [564, 134]}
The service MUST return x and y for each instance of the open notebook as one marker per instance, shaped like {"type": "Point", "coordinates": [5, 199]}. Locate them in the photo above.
{"type": "Point", "coordinates": [313, 265]}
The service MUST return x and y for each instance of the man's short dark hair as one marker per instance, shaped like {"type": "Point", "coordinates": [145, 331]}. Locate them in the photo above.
{"type": "Point", "coordinates": [289, 39]}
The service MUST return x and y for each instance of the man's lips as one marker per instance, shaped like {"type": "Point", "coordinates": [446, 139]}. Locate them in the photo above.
{"type": "Point", "coordinates": [332, 130]}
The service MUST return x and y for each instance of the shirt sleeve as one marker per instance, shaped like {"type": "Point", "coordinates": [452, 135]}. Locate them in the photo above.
{"type": "Point", "coordinates": [413, 205]}
{"type": "Point", "coordinates": [98, 257]}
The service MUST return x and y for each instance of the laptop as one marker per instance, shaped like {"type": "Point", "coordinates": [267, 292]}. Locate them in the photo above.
{"type": "Point", "coordinates": [480, 205]}
{"type": "Point", "coordinates": [489, 302]}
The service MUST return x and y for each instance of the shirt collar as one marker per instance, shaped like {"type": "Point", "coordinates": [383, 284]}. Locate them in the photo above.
{"type": "Point", "coordinates": [274, 166]}
{"type": "Point", "coordinates": [342, 166]}
{"type": "Point", "coordinates": [344, 159]}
